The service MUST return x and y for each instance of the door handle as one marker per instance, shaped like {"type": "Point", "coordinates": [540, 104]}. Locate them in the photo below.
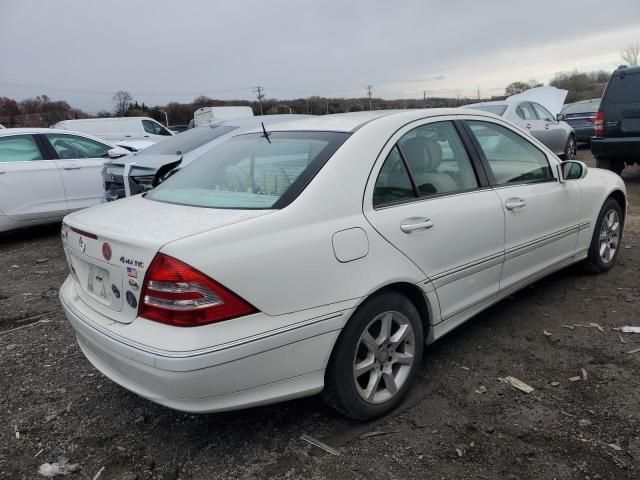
{"type": "Point", "coordinates": [513, 203]}
{"type": "Point", "coordinates": [412, 227]}
{"type": "Point", "coordinates": [127, 136]}
{"type": "Point", "coordinates": [3, 171]}
{"type": "Point", "coordinates": [528, 125]}
{"type": "Point", "coordinates": [146, 136]}
{"type": "Point", "coordinates": [71, 168]}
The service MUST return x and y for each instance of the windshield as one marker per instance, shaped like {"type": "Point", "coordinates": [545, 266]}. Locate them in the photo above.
{"type": "Point", "coordinates": [186, 141]}
{"type": "Point", "coordinates": [582, 107]}
{"type": "Point", "coordinates": [251, 171]}
{"type": "Point", "coordinates": [495, 109]}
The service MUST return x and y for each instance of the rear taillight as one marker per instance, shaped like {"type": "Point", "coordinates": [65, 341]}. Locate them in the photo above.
{"type": "Point", "coordinates": [177, 294]}
{"type": "Point", "coordinates": [599, 124]}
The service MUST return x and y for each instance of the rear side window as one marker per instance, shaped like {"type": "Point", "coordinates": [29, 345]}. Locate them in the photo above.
{"type": "Point", "coordinates": [525, 111]}
{"type": "Point", "coordinates": [623, 89]}
{"type": "Point", "coordinates": [154, 128]}
{"type": "Point", "coordinates": [512, 158]}
{"type": "Point", "coordinates": [73, 146]}
{"type": "Point", "coordinates": [19, 148]}
{"type": "Point", "coordinates": [495, 109]}
{"type": "Point", "coordinates": [393, 183]}
{"type": "Point", "coordinates": [251, 171]}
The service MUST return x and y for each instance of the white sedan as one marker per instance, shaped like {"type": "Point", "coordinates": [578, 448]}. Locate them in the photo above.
{"type": "Point", "coordinates": [322, 254]}
{"type": "Point", "coordinates": [46, 173]}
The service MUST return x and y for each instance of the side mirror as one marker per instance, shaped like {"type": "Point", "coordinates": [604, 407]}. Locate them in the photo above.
{"type": "Point", "coordinates": [560, 117]}
{"type": "Point", "coordinates": [118, 152]}
{"type": "Point", "coordinates": [572, 170]}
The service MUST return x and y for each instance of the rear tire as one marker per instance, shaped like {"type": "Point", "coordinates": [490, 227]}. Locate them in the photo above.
{"type": "Point", "coordinates": [606, 239]}
{"type": "Point", "coordinates": [613, 164]}
{"type": "Point", "coordinates": [376, 358]}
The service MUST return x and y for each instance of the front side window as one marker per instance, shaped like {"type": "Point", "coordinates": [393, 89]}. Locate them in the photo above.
{"type": "Point", "coordinates": [251, 171]}
{"type": "Point", "coordinates": [19, 148]}
{"type": "Point", "coordinates": [512, 158]}
{"type": "Point", "coordinates": [72, 146]}
{"type": "Point", "coordinates": [525, 111]}
{"type": "Point", "coordinates": [393, 183]}
{"type": "Point", "coordinates": [154, 128]}
{"type": "Point", "coordinates": [543, 113]}
{"type": "Point", "coordinates": [437, 159]}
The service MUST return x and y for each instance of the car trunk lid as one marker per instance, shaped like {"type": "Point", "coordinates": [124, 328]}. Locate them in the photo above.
{"type": "Point", "coordinates": [110, 247]}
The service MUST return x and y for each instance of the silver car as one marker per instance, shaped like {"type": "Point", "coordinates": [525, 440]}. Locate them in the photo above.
{"type": "Point", "coordinates": [532, 117]}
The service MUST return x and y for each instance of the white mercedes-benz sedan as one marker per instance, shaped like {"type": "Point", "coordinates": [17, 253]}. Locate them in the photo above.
{"type": "Point", "coordinates": [322, 254]}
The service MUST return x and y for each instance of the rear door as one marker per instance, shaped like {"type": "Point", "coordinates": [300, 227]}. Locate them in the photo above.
{"type": "Point", "coordinates": [555, 134]}
{"type": "Point", "coordinates": [531, 122]}
{"type": "Point", "coordinates": [542, 215]}
{"type": "Point", "coordinates": [30, 182]}
{"type": "Point", "coordinates": [80, 160]}
{"type": "Point", "coordinates": [621, 105]}
{"type": "Point", "coordinates": [429, 198]}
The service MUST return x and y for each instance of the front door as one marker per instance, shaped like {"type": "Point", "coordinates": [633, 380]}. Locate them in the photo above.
{"type": "Point", "coordinates": [429, 199]}
{"type": "Point", "coordinates": [541, 214]}
{"type": "Point", "coordinates": [30, 185]}
{"type": "Point", "coordinates": [80, 160]}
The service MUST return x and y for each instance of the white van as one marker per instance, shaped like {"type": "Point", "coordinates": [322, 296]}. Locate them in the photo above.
{"type": "Point", "coordinates": [207, 115]}
{"type": "Point", "coordinates": [118, 128]}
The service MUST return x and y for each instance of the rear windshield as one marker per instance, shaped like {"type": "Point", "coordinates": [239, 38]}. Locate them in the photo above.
{"type": "Point", "coordinates": [251, 171]}
{"type": "Point", "coordinates": [186, 141]}
{"type": "Point", "coordinates": [623, 89]}
{"type": "Point", "coordinates": [495, 109]}
{"type": "Point", "coordinates": [582, 107]}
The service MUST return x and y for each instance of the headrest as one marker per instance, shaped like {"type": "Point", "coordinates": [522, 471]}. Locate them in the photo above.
{"type": "Point", "coordinates": [423, 154]}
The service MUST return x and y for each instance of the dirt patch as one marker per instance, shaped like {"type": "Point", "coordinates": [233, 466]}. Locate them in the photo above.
{"type": "Point", "coordinates": [54, 404]}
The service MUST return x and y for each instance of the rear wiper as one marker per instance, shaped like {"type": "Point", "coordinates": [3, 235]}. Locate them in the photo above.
{"type": "Point", "coordinates": [265, 134]}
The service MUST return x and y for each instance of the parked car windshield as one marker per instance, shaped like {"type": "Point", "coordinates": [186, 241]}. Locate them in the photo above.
{"type": "Point", "coordinates": [251, 171]}
{"type": "Point", "coordinates": [495, 109]}
{"type": "Point", "coordinates": [186, 141]}
{"type": "Point", "coordinates": [582, 107]}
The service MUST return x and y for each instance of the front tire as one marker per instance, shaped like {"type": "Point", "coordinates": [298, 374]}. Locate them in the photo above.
{"type": "Point", "coordinates": [606, 239]}
{"type": "Point", "coordinates": [376, 358]}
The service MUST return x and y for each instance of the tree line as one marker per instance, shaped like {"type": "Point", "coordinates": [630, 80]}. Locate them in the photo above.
{"type": "Point", "coordinates": [41, 111]}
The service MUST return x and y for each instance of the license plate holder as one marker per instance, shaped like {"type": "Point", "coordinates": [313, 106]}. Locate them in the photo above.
{"type": "Point", "coordinates": [98, 283]}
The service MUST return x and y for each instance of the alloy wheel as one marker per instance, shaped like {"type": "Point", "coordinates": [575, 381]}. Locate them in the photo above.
{"type": "Point", "coordinates": [609, 236]}
{"type": "Point", "coordinates": [384, 357]}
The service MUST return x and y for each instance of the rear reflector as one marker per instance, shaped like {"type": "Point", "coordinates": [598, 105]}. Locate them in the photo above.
{"type": "Point", "coordinates": [177, 294]}
{"type": "Point", "coordinates": [600, 124]}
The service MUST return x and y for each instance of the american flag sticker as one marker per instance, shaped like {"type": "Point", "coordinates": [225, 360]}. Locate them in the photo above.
{"type": "Point", "coordinates": [132, 272]}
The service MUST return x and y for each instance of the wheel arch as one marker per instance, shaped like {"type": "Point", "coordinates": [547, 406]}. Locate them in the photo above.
{"type": "Point", "coordinates": [621, 198]}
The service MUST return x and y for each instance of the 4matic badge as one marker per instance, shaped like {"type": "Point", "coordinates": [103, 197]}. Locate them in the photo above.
{"type": "Point", "coordinates": [130, 261]}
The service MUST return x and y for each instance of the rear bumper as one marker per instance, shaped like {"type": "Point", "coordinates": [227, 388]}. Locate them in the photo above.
{"type": "Point", "coordinates": [243, 374]}
{"type": "Point", "coordinates": [628, 148]}
{"type": "Point", "coordinates": [584, 134]}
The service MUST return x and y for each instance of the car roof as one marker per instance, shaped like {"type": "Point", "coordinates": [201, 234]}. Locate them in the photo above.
{"type": "Point", "coordinates": [350, 122]}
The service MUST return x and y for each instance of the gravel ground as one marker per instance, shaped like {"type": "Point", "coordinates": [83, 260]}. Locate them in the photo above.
{"type": "Point", "coordinates": [459, 422]}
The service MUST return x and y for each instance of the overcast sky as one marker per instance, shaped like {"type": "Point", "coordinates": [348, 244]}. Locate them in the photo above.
{"type": "Point", "coordinates": [84, 50]}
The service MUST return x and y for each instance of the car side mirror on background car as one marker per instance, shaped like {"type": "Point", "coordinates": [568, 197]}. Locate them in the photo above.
{"type": "Point", "coordinates": [118, 152]}
{"type": "Point", "coordinates": [560, 117]}
{"type": "Point", "coordinates": [572, 170]}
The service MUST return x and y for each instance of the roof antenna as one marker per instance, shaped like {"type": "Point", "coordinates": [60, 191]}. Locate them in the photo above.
{"type": "Point", "coordinates": [265, 134]}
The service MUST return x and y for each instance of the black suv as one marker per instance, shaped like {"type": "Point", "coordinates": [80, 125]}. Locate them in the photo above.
{"type": "Point", "coordinates": [617, 135]}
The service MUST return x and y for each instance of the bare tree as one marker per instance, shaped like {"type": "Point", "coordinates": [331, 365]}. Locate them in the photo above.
{"type": "Point", "coordinates": [121, 101]}
{"type": "Point", "coordinates": [631, 55]}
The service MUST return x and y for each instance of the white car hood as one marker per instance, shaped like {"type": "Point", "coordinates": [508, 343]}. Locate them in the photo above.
{"type": "Point", "coordinates": [551, 98]}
